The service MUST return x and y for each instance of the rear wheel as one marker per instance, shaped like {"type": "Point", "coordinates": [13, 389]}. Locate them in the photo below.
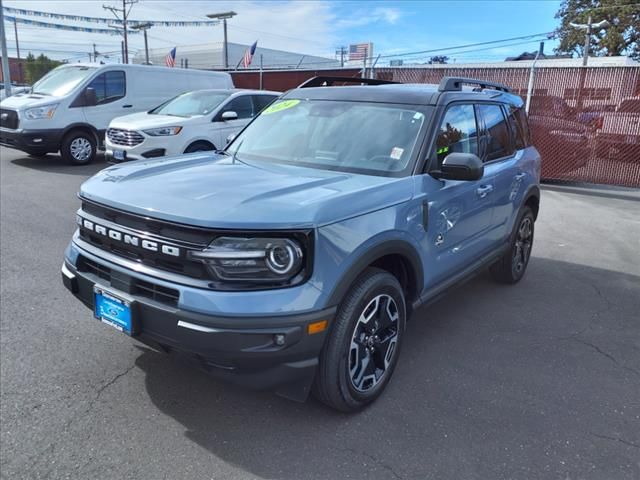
{"type": "Point", "coordinates": [199, 147]}
{"type": "Point", "coordinates": [362, 350]}
{"type": "Point", "coordinates": [78, 147]}
{"type": "Point", "coordinates": [511, 267]}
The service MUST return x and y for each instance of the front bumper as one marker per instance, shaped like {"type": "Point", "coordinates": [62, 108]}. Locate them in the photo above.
{"type": "Point", "coordinates": [249, 355]}
{"type": "Point", "coordinates": [150, 147]}
{"type": "Point", "coordinates": [32, 140]}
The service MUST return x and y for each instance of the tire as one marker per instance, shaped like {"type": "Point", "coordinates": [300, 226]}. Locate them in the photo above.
{"type": "Point", "coordinates": [511, 267]}
{"type": "Point", "coordinates": [344, 379]}
{"type": "Point", "coordinates": [78, 148]}
{"type": "Point", "coordinates": [199, 147]}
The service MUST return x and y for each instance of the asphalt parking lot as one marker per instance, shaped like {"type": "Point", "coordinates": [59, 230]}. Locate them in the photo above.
{"type": "Point", "coordinates": [536, 381]}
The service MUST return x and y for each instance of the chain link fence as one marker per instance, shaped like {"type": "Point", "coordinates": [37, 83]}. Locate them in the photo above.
{"type": "Point", "coordinates": [584, 121]}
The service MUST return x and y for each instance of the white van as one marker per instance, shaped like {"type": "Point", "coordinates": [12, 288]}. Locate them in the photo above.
{"type": "Point", "coordinates": [70, 108]}
{"type": "Point", "coordinates": [191, 122]}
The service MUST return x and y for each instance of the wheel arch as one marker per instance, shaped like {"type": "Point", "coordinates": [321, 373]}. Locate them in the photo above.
{"type": "Point", "coordinates": [398, 257]}
{"type": "Point", "coordinates": [196, 140]}
{"type": "Point", "coordinates": [84, 127]}
{"type": "Point", "coordinates": [532, 200]}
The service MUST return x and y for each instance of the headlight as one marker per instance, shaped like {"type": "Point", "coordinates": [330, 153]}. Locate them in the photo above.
{"type": "Point", "coordinates": [163, 131]}
{"type": "Point", "coordinates": [40, 113]}
{"type": "Point", "coordinates": [258, 261]}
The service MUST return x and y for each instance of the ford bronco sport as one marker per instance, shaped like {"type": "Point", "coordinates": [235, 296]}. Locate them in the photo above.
{"type": "Point", "coordinates": [292, 260]}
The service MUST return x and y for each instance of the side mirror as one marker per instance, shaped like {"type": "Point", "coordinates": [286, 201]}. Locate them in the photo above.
{"type": "Point", "coordinates": [460, 166]}
{"type": "Point", "coordinates": [90, 98]}
{"type": "Point", "coordinates": [230, 138]}
{"type": "Point", "coordinates": [229, 115]}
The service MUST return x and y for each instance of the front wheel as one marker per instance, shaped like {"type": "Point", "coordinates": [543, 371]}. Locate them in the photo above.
{"type": "Point", "coordinates": [78, 148]}
{"type": "Point", "coordinates": [362, 350]}
{"type": "Point", "coordinates": [511, 267]}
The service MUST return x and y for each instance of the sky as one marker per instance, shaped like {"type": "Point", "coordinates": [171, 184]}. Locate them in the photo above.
{"type": "Point", "coordinates": [308, 27]}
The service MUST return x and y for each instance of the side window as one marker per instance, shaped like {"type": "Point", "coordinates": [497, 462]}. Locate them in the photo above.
{"type": "Point", "coordinates": [242, 105]}
{"type": "Point", "coordinates": [523, 124]}
{"type": "Point", "coordinates": [458, 132]}
{"type": "Point", "coordinates": [516, 131]}
{"type": "Point", "coordinates": [497, 139]}
{"type": "Point", "coordinates": [261, 101]}
{"type": "Point", "coordinates": [109, 86]}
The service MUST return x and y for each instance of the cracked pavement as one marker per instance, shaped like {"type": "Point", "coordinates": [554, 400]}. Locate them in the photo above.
{"type": "Point", "coordinates": [535, 381]}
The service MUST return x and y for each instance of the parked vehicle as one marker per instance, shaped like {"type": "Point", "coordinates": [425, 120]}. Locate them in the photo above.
{"type": "Point", "coordinates": [293, 259]}
{"type": "Point", "coordinates": [15, 89]}
{"type": "Point", "coordinates": [69, 109]}
{"type": "Point", "coordinates": [558, 133]}
{"type": "Point", "coordinates": [191, 122]}
{"type": "Point", "coordinates": [618, 135]}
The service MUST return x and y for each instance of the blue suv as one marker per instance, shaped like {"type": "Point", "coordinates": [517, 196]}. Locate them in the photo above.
{"type": "Point", "coordinates": [293, 259]}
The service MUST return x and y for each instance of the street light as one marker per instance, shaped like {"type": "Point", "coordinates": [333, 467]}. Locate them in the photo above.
{"type": "Point", "coordinates": [144, 27]}
{"type": "Point", "coordinates": [587, 38]}
{"type": "Point", "coordinates": [224, 16]}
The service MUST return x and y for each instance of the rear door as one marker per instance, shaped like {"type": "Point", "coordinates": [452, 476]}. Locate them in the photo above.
{"type": "Point", "coordinates": [503, 154]}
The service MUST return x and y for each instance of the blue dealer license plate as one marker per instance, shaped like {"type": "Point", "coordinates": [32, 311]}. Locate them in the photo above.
{"type": "Point", "coordinates": [113, 310]}
{"type": "Point", "coordinates": [119, 155]}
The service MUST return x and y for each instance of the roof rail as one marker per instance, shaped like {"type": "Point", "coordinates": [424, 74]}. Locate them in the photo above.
{"type": "Point", "coordinates": [454, 84]}
{"type": "Point", "coordinates": [329, 81]}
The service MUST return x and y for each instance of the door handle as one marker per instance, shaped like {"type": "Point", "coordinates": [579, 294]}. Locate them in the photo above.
{"type": "Point", "coordinates": [484, 190]}
{"type": "Point", "coordinates": [127, 106]}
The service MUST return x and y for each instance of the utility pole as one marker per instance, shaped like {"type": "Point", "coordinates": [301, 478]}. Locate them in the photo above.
{"type": "Point", "coordinates": [588, 27]}
{"type": "Point", "coordinates": [341, 51]}
{"type": "Point", "coordinates": [15, 29]}
{"type": "Point", "coordinates": [224, 16]}
{"type": "Point", "coordinates": [144, 27]}
{"type": "Point", "coordinates": [6, 74]}
{"type": "Point", "coordinates": [124, 12]}
{"type": "Point", "coordinates": [95, 53]}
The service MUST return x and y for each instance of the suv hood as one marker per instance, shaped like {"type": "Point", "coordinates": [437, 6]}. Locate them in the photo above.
{"type": "Point", "coordinates": [143, 120]}
{"type": "Point", "coordinates": [212, 190]}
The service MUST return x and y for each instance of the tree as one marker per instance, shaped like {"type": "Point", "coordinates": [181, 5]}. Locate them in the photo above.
{"type": "Point", "coordinates": [36, 68]}
{"type": "Point", "coordinates": [438, 59]}
{"type": "Point", "coordinates": [622, 37]}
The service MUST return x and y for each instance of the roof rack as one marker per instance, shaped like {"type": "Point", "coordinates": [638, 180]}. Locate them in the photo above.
{"type": "Point", "coordinates": [329, 81]}
{"type": "Point", "coordinates": [454, 84]}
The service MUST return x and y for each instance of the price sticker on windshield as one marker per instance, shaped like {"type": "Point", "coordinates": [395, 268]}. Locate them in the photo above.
{"type": "Point", "coordinates": [279, 106]}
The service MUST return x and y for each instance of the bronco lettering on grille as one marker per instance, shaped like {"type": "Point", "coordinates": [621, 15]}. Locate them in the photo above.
{"type": "Point", "coordinates": [129, 239]}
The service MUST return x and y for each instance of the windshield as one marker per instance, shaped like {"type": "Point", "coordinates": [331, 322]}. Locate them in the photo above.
{"type": "Point", "coordinates": [62, 80]}
{"type": "Point", "coordinates": [191, 104]}
{"type": "Point", "coordinates": [357, 137]}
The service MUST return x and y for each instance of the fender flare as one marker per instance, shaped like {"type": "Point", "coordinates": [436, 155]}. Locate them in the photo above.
{"type": "Point", "coordinates": [370, 255]}
{"type": "Point", "coordinates": [82, 126]}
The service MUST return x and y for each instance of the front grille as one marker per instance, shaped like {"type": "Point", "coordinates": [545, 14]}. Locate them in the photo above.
{"type": "Point", "coordinates": [126, 138]}
{"type": "Point", "coordinates": [128, 284]}
{"type": "Point", "coordinates": [9, 119]}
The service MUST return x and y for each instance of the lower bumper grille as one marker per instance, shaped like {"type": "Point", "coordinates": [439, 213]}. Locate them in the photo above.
{"type": "Point", "coordinates": [9, 119]}
{"type": "Point", "coordinates": [133, 286]}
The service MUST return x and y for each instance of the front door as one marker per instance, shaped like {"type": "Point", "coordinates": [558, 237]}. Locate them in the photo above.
{"type": "Point", "coordinates": [111, 100]}
{"type": "Point", "coordinates": [243, 107]}
{"type": "Point", "coordinates": [460, 212]}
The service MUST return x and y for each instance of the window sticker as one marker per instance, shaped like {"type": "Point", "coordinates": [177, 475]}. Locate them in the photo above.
{"type": "Point", "coordinates": [396, 153]}
{"type": "Point", "coordinates": [442, 150]}
{"type": "Point", "coordinates": [279, 106]}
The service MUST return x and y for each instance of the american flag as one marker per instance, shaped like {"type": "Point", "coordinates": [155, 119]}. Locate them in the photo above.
{"type": "Point", "coordinates": [359, 51]}
{"type": "Point", "coordinates": [170, 59]}
{"type": "Point", "coordinates": [248, 55]}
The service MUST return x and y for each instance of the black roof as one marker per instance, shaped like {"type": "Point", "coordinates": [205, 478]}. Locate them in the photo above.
{"type": "Point", "coordinates": [401, 93]}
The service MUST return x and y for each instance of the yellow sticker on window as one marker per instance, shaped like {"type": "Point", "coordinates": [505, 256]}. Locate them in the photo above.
{"type": "Point", "coordinates": [279, 106]}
